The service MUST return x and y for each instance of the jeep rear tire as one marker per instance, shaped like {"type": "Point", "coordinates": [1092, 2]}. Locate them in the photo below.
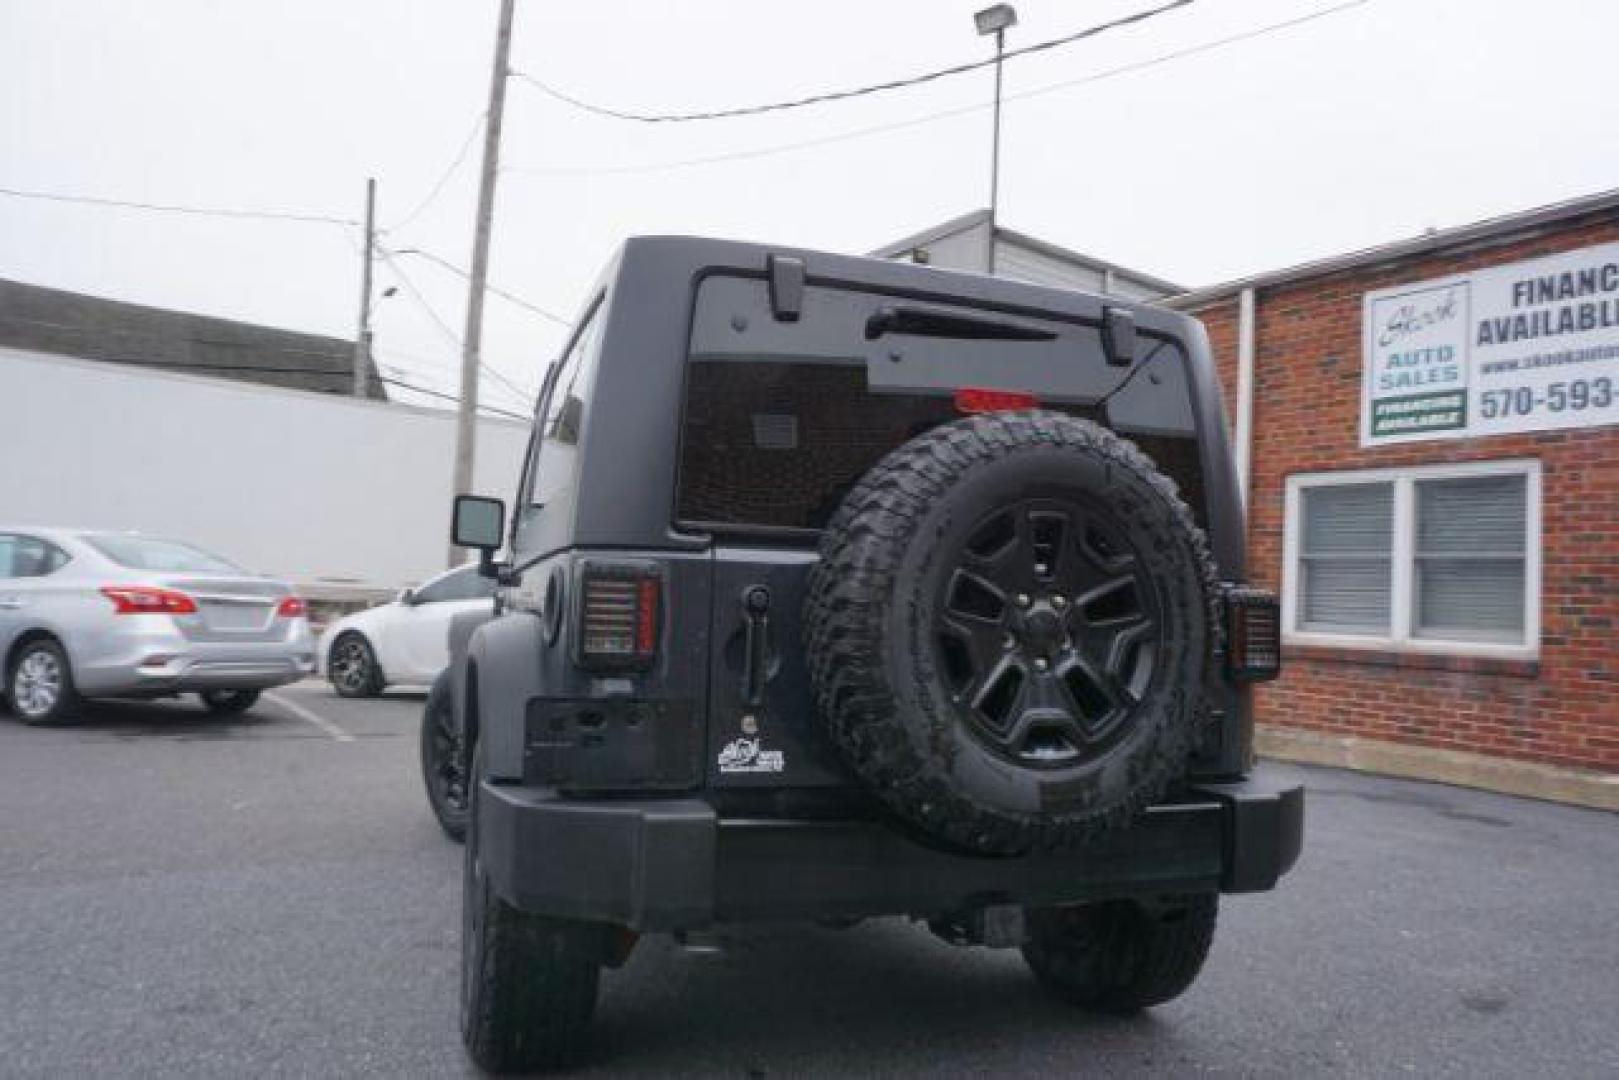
{"type": "Point", "coordinates": [528, 983]}
{"type": "Point", "coordinates": [1009, 630]}
{"type": "Point", "coordinates": [1122, 956]}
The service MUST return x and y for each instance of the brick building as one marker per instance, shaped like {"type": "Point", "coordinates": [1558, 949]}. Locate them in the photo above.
{"type": "Point", "coordinates": [1429, 433]}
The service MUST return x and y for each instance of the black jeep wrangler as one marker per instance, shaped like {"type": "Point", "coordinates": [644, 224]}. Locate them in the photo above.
{"type": "Point", "coordinates": [838, 588]}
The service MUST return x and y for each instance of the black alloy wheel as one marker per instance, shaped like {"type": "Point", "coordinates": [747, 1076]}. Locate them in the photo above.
{"type": "Point", "coordinates": [444, 768]}
{"type": "Point", "coordinates": [1047, 631]}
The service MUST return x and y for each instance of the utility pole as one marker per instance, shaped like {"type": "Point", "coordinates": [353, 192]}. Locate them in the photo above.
{"type": "Point", "coordinates": [466, 430]}
{"type": "Point", "coordinates": [995, 20]}
{"type": "Point", "coordinates": [362, 339]}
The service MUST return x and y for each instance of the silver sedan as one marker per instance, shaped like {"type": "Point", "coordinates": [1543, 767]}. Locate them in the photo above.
{"type": "Point", "coordinates": [104, 614]}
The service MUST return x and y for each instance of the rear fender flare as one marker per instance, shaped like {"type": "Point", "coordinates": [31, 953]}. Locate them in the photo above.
{"type": "Point", "coordinates": [501, 674]}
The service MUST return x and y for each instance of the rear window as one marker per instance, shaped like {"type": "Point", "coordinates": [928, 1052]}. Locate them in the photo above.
{"type": "Point", "coordinates": [780, 444]}
{"type": "Point", "coordinates": [150, 553]}
{"type": "Point", "coordinates": [782, 419]}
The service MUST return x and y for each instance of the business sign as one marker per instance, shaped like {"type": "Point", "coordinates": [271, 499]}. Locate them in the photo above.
{"type": "Point", "coordinates": [1529, 346]}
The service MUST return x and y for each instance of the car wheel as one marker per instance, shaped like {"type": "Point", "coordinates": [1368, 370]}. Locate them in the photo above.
{"type": "Point", "coordinates": [229, 702]}
{"type": "Point", "coordinates": [352, 667]}
{"type": "Point", "coordinates": [1122, 956]}
{"type": "Point", "coordinates": [1009, 631]}
{"type": "Point", "coordinates": [528, 983]}
{"type": "Point", "coordinates": [443, 764]}
{"type": "Point", "coordinates": [39, 685]}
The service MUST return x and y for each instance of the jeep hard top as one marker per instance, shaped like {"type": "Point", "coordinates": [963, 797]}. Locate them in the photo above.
{"type": "Point", "coordinates": [837, 588]}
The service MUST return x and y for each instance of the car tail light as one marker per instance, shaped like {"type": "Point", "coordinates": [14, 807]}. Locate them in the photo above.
{"type": "Point", "coordinates": [145, 600]}
{"type": "Point", "coordinates": [1253, 634]}
{"type": "Point", "coordinates": [619, 612]}
{"type": "Point", "coordinates": [293, 607]}
{"type": "Point", "coordinates": [973, 399]}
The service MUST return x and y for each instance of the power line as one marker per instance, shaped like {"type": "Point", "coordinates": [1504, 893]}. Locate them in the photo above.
{"type": "Point", "coordinates": [444, 178]}
{"type": "Point", "coordinates": [434, 371]}
{"type": "Point", "coordinates": [403, 385]}
{"type": "Point", "coordinates": [263, 369]}
{"type": "Point", "coordinates": [526, 397]}
{"type": "Point", "coordinates": [257, 369]}
{"type": "Point", "coordinates": [502, 293]}
{"type": "Point", "coordinates": [859, 91]}
{"type": "Point", "coordinates": [421, 301]}
{"type": "Point", "coordinates": [934, 117]}
{"type": "Point", "coordinates": [268, 369]}
{"type": "Point", "coordinates": [168, 208]}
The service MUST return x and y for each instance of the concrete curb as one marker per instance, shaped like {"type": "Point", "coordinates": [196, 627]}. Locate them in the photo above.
{"type": "Point", "coordinates": [1527, 778]}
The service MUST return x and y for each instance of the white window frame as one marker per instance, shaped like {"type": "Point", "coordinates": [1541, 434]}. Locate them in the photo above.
{"type": "Point", "coordinates": [1400, 637]}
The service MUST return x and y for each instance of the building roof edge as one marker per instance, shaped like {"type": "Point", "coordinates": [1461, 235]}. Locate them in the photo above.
{"type": "Point", "coordinates": [1428, 243]}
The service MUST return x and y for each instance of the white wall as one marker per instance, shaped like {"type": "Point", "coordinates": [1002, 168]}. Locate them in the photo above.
{"type": "Point", "coordinates": [329, 492]}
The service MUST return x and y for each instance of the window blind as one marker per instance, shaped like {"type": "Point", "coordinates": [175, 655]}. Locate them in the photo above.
{"type": "Point", "coordinates": [1346, 558]}
{"type": "Point", "coordinates": [1470, 558]}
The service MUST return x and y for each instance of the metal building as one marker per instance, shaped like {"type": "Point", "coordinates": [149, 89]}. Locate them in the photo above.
{"type": "Point", "coordinates": [971, 242]}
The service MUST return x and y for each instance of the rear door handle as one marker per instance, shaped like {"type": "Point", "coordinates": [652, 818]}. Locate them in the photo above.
{"type": "Point", "coordinates": [10, 603]}
{"type": "Point", "coordinates": [755, 642]}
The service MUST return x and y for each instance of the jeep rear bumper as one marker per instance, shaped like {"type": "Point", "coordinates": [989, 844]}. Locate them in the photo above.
{"type": "Point", "coordinates": [673, 864]}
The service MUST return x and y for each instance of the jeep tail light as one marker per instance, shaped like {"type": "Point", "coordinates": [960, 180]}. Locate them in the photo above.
{"type": "Point", "coordinates": [1253, 634]}
{"type": "Point", "coordinates": [973, 399]}
{"type": "Point", "coordinates": [619, 611]}
{"type": "Point", "coordinates": [145, 600]}
{"type": "Point", "coordinates": [293, 607]}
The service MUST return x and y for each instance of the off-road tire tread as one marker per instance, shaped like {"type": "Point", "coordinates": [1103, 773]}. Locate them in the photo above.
{"type": "Point", "coordinates": [845, 609]}
{"type": "Point", "coordinates": [537, 991]}
{"type": "Point", "coordinates": [534, 993]}
{"type": "Point", "coordinates": [1120, 956]}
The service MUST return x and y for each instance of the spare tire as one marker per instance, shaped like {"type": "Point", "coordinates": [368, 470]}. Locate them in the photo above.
{"type": "Point", "coordinates": [1009, 630]}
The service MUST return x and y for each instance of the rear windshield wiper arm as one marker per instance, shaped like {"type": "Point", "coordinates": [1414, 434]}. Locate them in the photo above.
{"type": "Point", "coordinates": [923, 322]}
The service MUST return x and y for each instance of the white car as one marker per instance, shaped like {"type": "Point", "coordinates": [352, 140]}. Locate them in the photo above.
{"type": "Point", "coordinates": [404, 643]}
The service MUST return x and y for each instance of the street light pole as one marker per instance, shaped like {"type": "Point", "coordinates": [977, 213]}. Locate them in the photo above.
{"type": "Point", "coordinates": [466, 432]}
{"type": "Point", "coordinates": [995, 20]}
{"type": "Point", "coordinates": [362, 338]}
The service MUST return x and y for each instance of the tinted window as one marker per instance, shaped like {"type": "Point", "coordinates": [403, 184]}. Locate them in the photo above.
{"type": "Point", "coordinates": [782, 418]}
{"type": "Point", "coordinates": [29, 556]}
{"type": "Point", "coordinates": [776, 443]}
{"type": "Point", "coordinates": [463, 584]}
{"type": "Point", "coordinates": [556, 451]}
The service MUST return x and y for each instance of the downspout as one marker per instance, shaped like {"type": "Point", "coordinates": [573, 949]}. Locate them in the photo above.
{"type": "Point", "coordinates": [1244, 434]}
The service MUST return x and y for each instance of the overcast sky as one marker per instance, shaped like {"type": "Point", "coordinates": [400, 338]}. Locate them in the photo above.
{"type": "Point", "coordinates": [1363, 126]}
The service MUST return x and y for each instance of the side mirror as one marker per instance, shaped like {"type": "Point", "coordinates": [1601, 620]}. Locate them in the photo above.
{"type": "Point", "coordinates": [479, 522]}
{"type": "Point", "coordinates": [406, 597]}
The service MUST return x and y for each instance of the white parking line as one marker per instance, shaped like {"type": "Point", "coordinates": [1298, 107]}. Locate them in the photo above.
{"type": "Point", "coordinates": [309, 716]}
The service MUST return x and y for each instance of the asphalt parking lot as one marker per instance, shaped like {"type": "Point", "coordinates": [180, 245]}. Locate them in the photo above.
{"type": "Point", "coordinates": [269, 896]}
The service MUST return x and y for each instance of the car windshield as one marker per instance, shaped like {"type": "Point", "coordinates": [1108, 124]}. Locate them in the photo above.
{"type": "Point", "coordinates": [150, 553]}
